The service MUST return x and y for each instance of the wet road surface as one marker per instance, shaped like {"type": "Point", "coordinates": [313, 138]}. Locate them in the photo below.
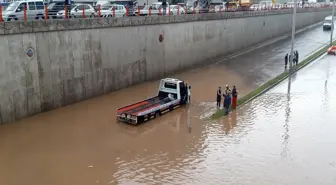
{"type": "Point", "coordinates": [83, 144]}
{"type": "Point", "coordinates": [285, 136]}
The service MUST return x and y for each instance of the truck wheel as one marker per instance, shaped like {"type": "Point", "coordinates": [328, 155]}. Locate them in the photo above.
{"type": "Point", "coordinates": [158, 114]}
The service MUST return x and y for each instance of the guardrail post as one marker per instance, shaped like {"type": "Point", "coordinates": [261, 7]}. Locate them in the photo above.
{"type": "Point", "coordinates": [168, 11]}
{"type": "Point", "coordinates": [1, 13]}
{"type": "Point", "coordinates": [83, 13]}
{"type": "Point", "coordinates": [178, 10]}
{"type": "Point", "coordinates": [149, 12]}
{"type": "Point", "coordinates": [99, 13]}
{"type": "Point", "coordinates": [139, 11]}
{"type": "Point", "coordinates": [66, 12]}
{"type": "Point", "coordinates": [126, 11]}
{"type": "Point", "coordinates": [25, 12]}
{"type": "Point", "coordinates": [46, 12]}
{"type": "Point", "coordinates": [113, 11]}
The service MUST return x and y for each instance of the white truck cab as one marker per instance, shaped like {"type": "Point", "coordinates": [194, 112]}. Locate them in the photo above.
{"type": "Point", "coordinates": [175, 87]}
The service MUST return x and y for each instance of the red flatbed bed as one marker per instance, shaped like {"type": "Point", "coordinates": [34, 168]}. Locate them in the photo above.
{"type": "Point", "coordinates": [142, 106]}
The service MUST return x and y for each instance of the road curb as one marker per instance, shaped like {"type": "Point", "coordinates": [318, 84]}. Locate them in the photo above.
{"type": "Point", "coordinates": [275, 81]}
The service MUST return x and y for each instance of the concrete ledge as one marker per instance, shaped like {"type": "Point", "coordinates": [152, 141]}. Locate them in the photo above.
{"type": "Point", "coordinates": [7, 28]}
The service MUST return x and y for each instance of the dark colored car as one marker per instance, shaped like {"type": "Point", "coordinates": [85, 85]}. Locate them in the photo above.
{"type": "Point", "coordinates": [55, 7]}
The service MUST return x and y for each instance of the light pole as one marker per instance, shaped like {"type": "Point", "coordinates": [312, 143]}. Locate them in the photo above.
{"type": "Point", "coordinates": [292, 42]}
{"type": "Point", "coordinates": [332, 23]}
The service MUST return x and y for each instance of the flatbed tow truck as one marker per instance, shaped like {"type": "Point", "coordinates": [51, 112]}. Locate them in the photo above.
{"type": "Point", "coordinates": [172, 94]}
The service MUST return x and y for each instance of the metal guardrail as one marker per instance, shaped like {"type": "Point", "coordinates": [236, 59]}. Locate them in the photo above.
{"type": "Point", "coordinates": [35, 12]}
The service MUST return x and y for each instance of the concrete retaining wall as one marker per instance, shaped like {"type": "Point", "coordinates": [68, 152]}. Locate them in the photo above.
{"type": "Point", "coordinates": [42, 68]}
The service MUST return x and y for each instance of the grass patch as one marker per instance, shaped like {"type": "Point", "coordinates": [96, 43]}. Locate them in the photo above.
{"type": "Point", "coordinates": [273, 82]}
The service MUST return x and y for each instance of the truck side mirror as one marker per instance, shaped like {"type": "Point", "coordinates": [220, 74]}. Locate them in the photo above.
{"type": "Point", "coordinates": [189, 87]}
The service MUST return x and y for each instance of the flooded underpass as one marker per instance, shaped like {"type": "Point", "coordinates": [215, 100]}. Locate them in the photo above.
{"type": "Point", "coordinates": [83, 143]}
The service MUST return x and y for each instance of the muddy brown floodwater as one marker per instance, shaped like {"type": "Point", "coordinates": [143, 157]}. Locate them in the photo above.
{"type": "Point", "coordinates": [83, 144]}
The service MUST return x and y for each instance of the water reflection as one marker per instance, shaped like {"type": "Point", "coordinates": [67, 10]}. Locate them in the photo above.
{"type": "Point", "coordinates": [325, 99]}
{"type": "Point", "coordinates": [286, 136]}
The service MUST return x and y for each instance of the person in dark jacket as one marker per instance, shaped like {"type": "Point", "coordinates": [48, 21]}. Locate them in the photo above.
{"type": "Point", "coordinates": [234, 97]}
{"type": "Point", "coordinates": [219, 97]}
{"type": "Point", "coordinates": [286, 60]}
{"type": "Point", "coordinates": [164, 7]}
{"type": "Point", "coordinates": [296, 57]}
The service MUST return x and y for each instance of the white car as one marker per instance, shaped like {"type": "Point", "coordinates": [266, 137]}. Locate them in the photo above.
{"type": "Point", "coordinates": [77, 11]}
{"type": "Point", "coordinates": [107, 10]}
{"type": "Point", "coordinates": [154, 10]}
{"type": "Point", "coordinates": [15, 10]}
{"type": "Point", "coordinates": [255, 7]}
{"type": "Point", "coordinates": [176, 10]}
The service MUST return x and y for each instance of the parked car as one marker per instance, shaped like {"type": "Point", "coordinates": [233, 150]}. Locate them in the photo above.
{"type": "Point", "coordinates": [217, 8]}
{"type": "Point", "coordinates": [77, 11]}
{"type": "Point", "coordinates": [255, 7]}
{"type": "Point", "coordinates": [155, 9]}
{"type": "Point", "coordinates": [15, 10]}
{"type": "Point", "coordinates": [143, 11]}
{"type": "Point", "coordinates": [55, 7]}
{"type": "Point", "coordinates": [129, 4]}
{"type": "Point", "coordinates": [107, 10]}
{"type": "Point", "coordinates": [194, 9]}
{"type": "Point", "coordinates": [176, 10]}
{"type": "Point", "coordinates": [102, 3]}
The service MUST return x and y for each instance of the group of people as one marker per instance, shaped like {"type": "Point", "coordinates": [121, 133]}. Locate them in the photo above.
{"type": "Point", "coordinates": [229, 95]}
{"type": "Point", "coordinates": [295, 58]}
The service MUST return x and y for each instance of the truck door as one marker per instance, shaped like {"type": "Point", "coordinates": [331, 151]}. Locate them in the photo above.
{"type": "Point", "coordinates": [183, 92]}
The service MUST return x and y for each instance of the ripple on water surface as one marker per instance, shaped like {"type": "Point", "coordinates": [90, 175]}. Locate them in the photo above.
{"type": "Point", "coordinates": [278, 138]}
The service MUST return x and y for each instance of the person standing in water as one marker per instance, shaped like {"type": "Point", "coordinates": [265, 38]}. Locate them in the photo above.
{"type": "Point", "coordinates": [219, 97]}
{"type": "Point", "coordinates": [297, 57]}
{"type": "Point", "coordinates": [286, 60]}
{"type": "Point", "coordinates": [227, 99]}
{"type": "Point", "coordinates": [234, 97]}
